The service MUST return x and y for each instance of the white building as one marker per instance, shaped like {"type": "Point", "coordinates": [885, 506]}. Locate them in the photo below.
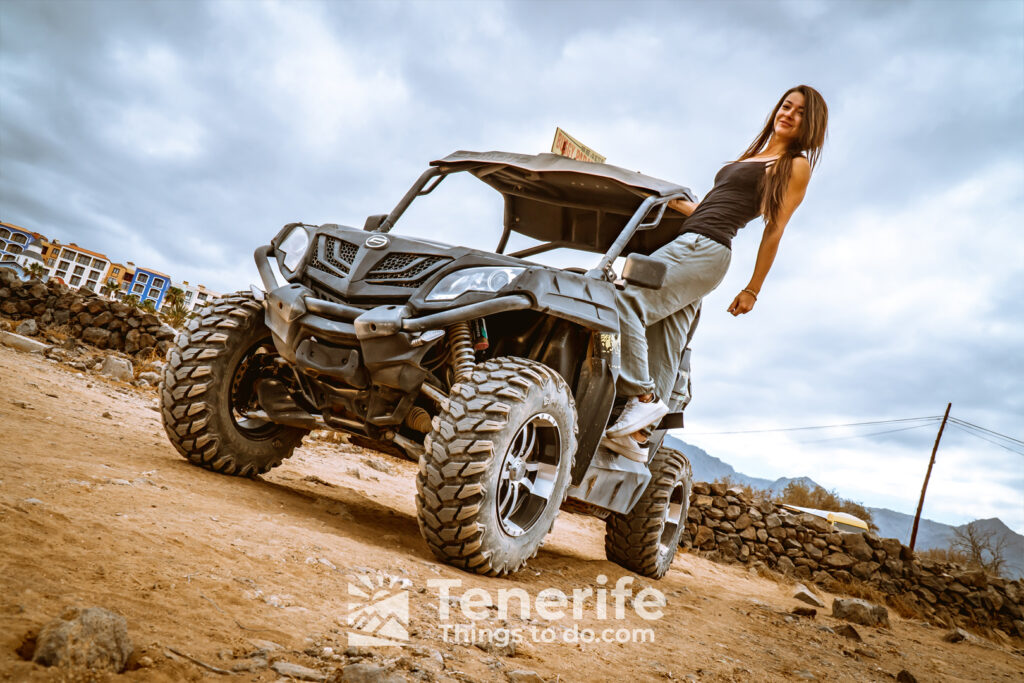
{"type": "Point", "coordinates": [80, 268]}
{"type": "Point", "coordinates": [20, 248]}
{"type": "Point", "coordinates": [196, 296]}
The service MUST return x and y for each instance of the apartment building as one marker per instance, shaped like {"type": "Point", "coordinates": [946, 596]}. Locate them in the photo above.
{"type": "Point", "coordinates": [80, 268]}
{"type": "Point", "coordinates": [149, 285]}
{"type": "Point", "coordinates": [19, 248]}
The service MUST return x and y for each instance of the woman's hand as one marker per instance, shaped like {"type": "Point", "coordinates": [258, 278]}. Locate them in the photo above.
{"type": "Point", "coordinates": [743, 303]}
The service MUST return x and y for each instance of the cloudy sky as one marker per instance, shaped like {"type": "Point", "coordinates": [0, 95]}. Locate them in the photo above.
{"type": "Point", "coordinates": [181, 135]}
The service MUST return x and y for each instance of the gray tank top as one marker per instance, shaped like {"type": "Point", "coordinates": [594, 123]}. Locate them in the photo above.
{"type": "Point", "coordinates": [734, 201]}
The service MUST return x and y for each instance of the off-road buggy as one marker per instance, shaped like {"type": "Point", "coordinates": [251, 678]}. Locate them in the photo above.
{"type": "Point", "coordinates": [496, 374]}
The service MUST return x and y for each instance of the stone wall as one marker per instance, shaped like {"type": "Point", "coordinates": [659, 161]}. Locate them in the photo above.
{"type": "Point", "coordinates": [86, 316]}
{"type": "Point", "coordinates": [725, 525]}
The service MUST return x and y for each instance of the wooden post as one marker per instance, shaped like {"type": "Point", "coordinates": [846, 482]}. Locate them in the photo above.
{"type": "Point", "coordinates": [928, 474]}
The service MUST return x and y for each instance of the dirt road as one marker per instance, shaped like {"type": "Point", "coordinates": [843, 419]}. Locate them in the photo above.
{"type": "Point", "coordinates": [96, 508]}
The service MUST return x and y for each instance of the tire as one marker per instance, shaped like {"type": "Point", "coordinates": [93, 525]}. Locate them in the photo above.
{"type": "Point", "coordinates": [645, 539]}
{"type": "Point", "coordinates": [512, 421]}
{"type": "Point", "coordinates": [208, 375]}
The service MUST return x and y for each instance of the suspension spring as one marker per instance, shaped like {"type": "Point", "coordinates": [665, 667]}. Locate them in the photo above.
{"type": "Point", "coordinates": [461, 342]}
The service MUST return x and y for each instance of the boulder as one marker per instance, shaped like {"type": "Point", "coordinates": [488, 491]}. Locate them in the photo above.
{"type": "Point", "coordinates": [28, 328]}
{"type": "Point", "coordinates": [299, 672]}
{"type": "Point", "coordinates": [785, 565]}
{"type": "Point", "coordinates": [151, 378]}
{"type": "Point", "coordinates": [93, 638]}
{"type": "Point", "coordinates": [20, 343]}
{"type": "Point", "coordinates": [772, 521]}
{"type": "Point", "coordinates": [860, 612]}
{"type": "Point", "coordinates": [803, 594]}
{"type": "Point", "coordinates": [848, 631]}
{"type": "Point", "coordinates": [814, 523]}
{"type": "Point", "coordinates": [97, 336]}
{"type": "Point", "coordinates": [117, 368]}
{"type": "Point", "coordinates": [857, 546]}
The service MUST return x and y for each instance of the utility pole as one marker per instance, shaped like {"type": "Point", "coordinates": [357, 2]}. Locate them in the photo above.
{"type": "Point", "coordinates": [928, 474]}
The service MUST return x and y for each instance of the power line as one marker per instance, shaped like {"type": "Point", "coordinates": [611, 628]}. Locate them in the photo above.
{"type": "Point", "coordinates": [965, 423]}
{"type": "Point", "coordinates": [979, 436]}
{"type": "Point", "coordinates": [932, 418]}
{"type": "Point", "coordinates": [862, 436]}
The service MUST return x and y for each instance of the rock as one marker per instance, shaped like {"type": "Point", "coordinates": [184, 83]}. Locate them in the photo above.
{"type": "Point", "coordinates": [704, 535]}
{"type": "Point", "coordinates": [368, 673]}
{"type": "Point", "coordinates": [97, 336]}
{"type": "Point", "coordinates": [772, 521]}
{"type": "Point", "coordinates": [860, 612]}
{"type": "Point", "coordinates": [165, 333]}
{"type": "Point", "coordinates": [28, 328]}
{"type": "Point", "coordinates": [848, 631]}
{"type": "Point", "coordinates": [839, 561]}
{"type": "Point", "coordinates": [803, 594]}
{"type": "Point", "coordinates": [268, 645]}
{"type": "Point", "coordinates": [804, 674]}
{"type": "Point", "coordinates": [92, 638]}
{"type": "Point", "coordinates": [152, 378]}
{"type": "Point", "coordinates": [524, 676]}
{"type": "Point", "coordinates": [150, 320]}
{"type": "Point", "coordinates": [302, 673]}
{"type": "Point", "coordinates": [905, 676]}
{"type": "Point", "coordinates": [20, 343]}
{"type": "Point", "coordinates": [857, 546]}
{"type": "Point", "coordinates": [957, 635]}
{"type": "Point", "coordinates": [743, 522]}
{"type": "Point", "coordinates": [117, 368]}
{"type": "Point", "coordinates": [804, 612]}
{"type": "Point", "coordinates": [785, 565]}
{"type": "Point", "coordinates": [813, 522]}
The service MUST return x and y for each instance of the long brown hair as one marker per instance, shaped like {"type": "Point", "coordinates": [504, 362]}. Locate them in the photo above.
{"type": "Point", "coordinates": [809, 140]}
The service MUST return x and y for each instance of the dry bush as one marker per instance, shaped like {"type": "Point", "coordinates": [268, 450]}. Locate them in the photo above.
{"type": "Point", "coordinates": [146, 361]}
{"type": "Point", "coordinates": [800, 494]}
{"type": "Point", "coordinates": [859, 589]}
{"type": "Point", "coordinates": [903, 607]}
{"type": "Point", "coordinates": [748, 490]}
{"type": "Point", "coordinates": [942, 555]}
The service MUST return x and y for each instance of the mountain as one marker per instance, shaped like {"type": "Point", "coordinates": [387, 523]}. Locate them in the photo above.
{"type": "Point", "coordinates": [707, 467]}
{"type": "Point", "coordinates": [891, 524]}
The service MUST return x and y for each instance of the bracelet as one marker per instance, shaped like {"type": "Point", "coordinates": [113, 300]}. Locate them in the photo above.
{"type": "Point", "coordinates": [751, 293]}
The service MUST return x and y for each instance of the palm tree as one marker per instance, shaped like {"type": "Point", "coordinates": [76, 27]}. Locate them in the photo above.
{"type": "Point", "coordinates": [176, 314]}
{"type": "Point", "coordinates": [174, 296]}
{"type": "Point", "coordinates": [149, 305]}
{"type": "Point", "coordinates": [109, 288]}
{"type": "Point", "coordinates": [36, 270]}
{"type": "Point", "coordinates": [132, 300]}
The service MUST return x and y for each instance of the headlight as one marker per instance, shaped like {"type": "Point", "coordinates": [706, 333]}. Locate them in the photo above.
{"type": "Point", "coordinates": [473, 280]}
{"type": "Point", "coordinates": [293, 247]}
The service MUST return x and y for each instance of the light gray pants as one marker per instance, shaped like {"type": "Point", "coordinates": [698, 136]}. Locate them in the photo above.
{"type": "Point", "coordinates": [654, 323]}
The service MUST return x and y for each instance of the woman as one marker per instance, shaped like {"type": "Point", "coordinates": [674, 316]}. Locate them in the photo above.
{"type": "Point", "coordinates": [769, 179]}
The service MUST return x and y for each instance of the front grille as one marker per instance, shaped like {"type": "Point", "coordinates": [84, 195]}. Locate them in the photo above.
{"type": "Point", "coordinates": [338, 256]}
{"type": "Point", "coordinates": [400, 269]}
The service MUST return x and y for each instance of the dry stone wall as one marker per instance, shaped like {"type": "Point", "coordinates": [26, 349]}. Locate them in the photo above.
{"type": "Point", "coordinates": [86, 316]}
{"type": "Point", "coordinates": [724, 524]}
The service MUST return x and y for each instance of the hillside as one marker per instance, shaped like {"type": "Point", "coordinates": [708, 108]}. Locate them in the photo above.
{"type": "Point", "coordinates": [255, 576]}
{"type": "Point", "coordinates": [890, 523]}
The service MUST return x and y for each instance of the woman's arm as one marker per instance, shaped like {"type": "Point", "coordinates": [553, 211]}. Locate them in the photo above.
{"type": "Point", "coordinates": [744, 301]}
{"type": "Point", "coordinates": [682, 206]}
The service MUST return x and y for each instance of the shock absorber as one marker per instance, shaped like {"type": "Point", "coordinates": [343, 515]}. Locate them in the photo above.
{"type": "Point", "coordinates": [461, 342]}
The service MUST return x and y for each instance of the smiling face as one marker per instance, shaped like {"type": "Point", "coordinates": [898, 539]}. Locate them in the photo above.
{"type": "Point", "coordinates": [789, 116]}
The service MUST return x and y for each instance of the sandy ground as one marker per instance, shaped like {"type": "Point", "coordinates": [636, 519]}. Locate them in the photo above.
{"type": "Point", "coordinates": [96, 508]}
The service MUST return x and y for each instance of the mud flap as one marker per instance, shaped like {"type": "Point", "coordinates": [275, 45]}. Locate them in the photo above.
{"type": "Point", "coordinates": [612, 482]}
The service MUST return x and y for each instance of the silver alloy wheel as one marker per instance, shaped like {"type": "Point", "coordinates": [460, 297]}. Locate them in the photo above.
{"type": "Point", "coordinates": [527, 475]}
{"type": "Point", "coordinates": [673, 517]}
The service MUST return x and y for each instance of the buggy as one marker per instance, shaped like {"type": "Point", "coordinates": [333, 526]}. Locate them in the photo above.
{"type": "Point", "coordinates": [496, 374]}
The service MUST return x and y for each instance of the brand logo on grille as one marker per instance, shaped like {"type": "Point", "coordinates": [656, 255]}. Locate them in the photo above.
{"type": "Point", "coordinates": [376, 242]}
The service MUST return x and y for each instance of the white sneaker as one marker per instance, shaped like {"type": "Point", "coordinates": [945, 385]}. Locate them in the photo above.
{"type": "Point", "coordinates": [628, 447]}
{"type": "Point", "coordinates": [637, 415]}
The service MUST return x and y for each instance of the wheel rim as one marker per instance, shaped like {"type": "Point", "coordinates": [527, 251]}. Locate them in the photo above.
{"type": "Point", "coordinates": [528, 474]}
{"type": "Point", "coordinates": [255, 363]}
{"type": "Point", "coordinates": [673, 518]}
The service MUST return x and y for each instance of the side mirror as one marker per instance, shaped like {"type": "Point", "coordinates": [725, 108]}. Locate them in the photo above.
{"type": "Point", "coordinates": [644, 271]}
{"type": "Point", "coordinates": [373, 222]}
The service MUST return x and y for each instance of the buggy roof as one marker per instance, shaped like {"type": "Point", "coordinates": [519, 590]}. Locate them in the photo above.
{"type": "Point", "coordinates": [585, 205]}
